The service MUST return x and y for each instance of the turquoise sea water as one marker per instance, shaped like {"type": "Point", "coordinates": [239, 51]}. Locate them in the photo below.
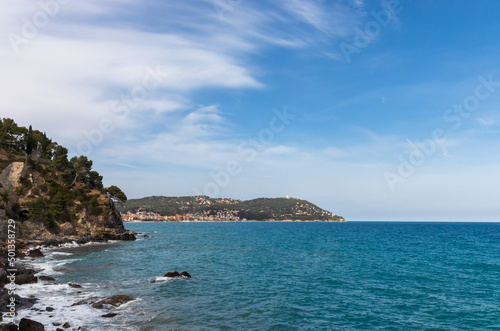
{"type": "Point", "coordinates": [289, 276]}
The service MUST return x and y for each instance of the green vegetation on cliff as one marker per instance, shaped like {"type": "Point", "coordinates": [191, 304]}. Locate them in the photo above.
{"type": "Point", "coordinates": [48, 192]}
{"type": "Point", "coordinates": [257, 209]}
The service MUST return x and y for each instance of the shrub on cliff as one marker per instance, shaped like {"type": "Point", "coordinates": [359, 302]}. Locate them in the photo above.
{"type": "Point", "coordinates": [50, 188]}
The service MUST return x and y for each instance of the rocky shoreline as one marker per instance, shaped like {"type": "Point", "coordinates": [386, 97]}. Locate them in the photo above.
{"type": "Point", "coordinates": [18, 274]}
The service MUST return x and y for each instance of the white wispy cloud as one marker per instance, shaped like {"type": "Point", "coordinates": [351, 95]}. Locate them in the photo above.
{"type": "Point", "coordinates": [90, 56]}
{"type": "Point", "coordinates": [486, 121]}
{"type": "Point", "coordinates": [75, 71]}
{"type": "Point", "coordinates": [335, 20]}
{"type": "Point", "coordinates": [309, 12]}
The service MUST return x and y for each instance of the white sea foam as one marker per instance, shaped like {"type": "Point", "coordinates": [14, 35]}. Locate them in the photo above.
{"type": "Point", "coordinates": [74, 244]}
{"type": "Point", "coordinates": [60, 297]}
{"type": "Point", "coordinates": [166, 279]}
{"type": "Point", "coordinates": [51, 267]}
{"type": "Point", "coordinates": [163, 279]}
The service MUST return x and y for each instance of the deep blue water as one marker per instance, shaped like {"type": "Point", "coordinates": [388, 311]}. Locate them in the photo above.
{"type": "Point", "coordinates": [296, 276]}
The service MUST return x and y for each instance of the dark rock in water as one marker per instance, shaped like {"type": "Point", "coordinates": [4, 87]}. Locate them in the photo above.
{"type": "Point", "coordinates": [115, 301]}
{"type": "Point", "coordinates": [66, 325]}
{"type": "Point", "coordinates": [56, 323]}
{"type": "Point", "coordinates": [21, 303]}
{"type": "Point", "coordinates": [35, 253]}
{"type": "Point", "coordinates": [46, 278]}
{"type": "Point", "coordinates": [172, 274]}
{"type": "Point", "coordinates": [124, 236]}
{"type": "Point", "coordinates": [127, 236]}
{"type": "Point", "coordinates": [74, 285]}
{"type": "Point", "coordinates": [49, 309]}
{"type": "Point", "coordinates": [59, 329]}
{"type": "Point", "coordinates": [8, 327]}
{"type": "Point", "coordinates": [101, 303]}
{"type": "Point", "coordinates": [26, 276]}
{"type": "Point", "coordinates": [87, 301]}
{"type": "Point", "coordinates": [109, 315]}
{"type": "Point", "coordinates": [30, 325]}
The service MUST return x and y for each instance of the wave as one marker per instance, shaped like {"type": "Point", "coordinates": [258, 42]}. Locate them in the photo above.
{"type": "Point", "coordinates": [55, 302]}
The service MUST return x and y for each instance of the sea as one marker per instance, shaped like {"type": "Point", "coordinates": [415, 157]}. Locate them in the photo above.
{"type": "Point", "coordinates": [280, 276]}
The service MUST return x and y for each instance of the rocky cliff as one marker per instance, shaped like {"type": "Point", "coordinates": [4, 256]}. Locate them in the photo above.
{"type": "Point", "coordinates": [49, 196]}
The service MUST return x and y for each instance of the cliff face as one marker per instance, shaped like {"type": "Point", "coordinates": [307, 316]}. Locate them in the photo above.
{"type": "Point", "coordinates": [51, 197]}
{"type": "Point", "coordinates": [27, 198]}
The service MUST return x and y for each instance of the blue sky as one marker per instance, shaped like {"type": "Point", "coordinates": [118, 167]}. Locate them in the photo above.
{"type": "Point", "coordinates": [375, 110]}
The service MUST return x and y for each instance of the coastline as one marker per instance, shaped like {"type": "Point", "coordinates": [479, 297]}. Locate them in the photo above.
{"type": "Point", "coordinates": [245, 221]}
{"type": "Point", "coordinates": [46, 300]}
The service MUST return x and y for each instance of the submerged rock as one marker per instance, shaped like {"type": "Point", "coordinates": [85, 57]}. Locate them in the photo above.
{"type": "Point", "coordinates": [185, 274]}
{"type": "Point", "coordinates": [109, 315]}
{"type": "Point", "coordinates": [74, 285]}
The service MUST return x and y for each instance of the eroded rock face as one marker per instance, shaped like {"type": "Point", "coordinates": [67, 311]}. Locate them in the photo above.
{"type": "Point", "coordinates": [67, 229]}
{"type": "Point", "coordinates": [106, 225]}
{"type": "Point", "coordinates": [10, 176]}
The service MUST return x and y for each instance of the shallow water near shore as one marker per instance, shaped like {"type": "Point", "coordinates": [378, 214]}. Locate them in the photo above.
{"type": "Point", "coordinates": [282, 276]}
